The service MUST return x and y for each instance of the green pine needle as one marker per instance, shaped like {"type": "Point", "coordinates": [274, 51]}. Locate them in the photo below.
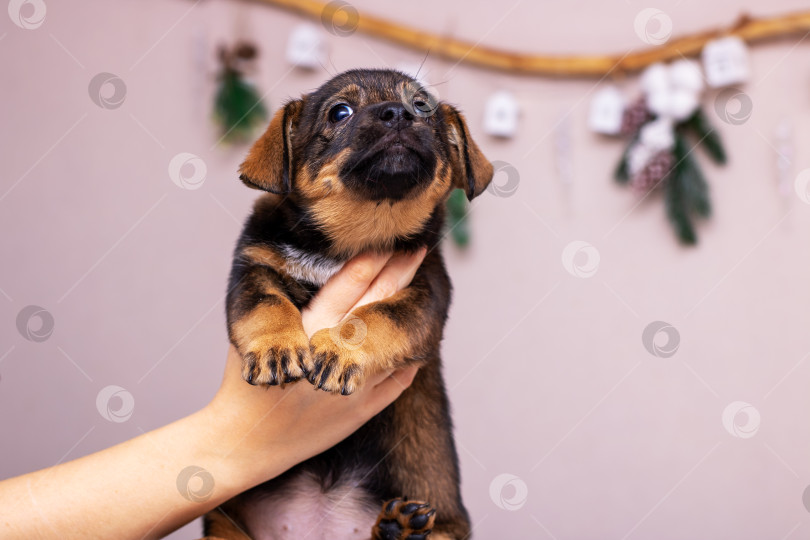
{"type": "Point", "coordinates": [622, 172]}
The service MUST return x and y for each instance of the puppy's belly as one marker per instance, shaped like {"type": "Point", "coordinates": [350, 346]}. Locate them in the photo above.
{"type": "Point", "coordinates": [304, 511]}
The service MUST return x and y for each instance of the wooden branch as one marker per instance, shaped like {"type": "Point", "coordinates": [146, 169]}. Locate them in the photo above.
{"type": "Point", "coordinates": [747, 28]}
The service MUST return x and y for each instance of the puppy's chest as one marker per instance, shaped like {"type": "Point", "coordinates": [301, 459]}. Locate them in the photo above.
{"type": "Point", "coordinates": [310, 267]}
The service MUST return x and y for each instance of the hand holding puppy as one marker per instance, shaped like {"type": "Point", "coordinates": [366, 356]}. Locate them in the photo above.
{"type": "Point", "coordinates": [309, 422]}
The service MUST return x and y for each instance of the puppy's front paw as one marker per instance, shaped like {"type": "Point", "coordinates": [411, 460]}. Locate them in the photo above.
{"type": "Point", "coordinates": [337, 366]}
{"type": "Point", "coordinates": [276, 359]}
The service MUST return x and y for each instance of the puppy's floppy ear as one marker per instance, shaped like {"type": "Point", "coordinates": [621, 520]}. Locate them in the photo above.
{"type": "Point", "coordinates": [269, 163]}
{"type": "Point", "coordinates": [472, 172]}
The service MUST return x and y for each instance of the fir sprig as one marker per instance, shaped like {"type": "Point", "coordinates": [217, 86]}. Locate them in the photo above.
{"type": "Point", "coordinates": [687, 194]}
{"type": "Point", "coordinates": [457, 218]}
{"type": "Point", "coordinates": [238, 107]}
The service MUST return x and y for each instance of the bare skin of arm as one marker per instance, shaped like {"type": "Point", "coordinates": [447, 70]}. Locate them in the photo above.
{"type": "Point", "coordinates": [243, 437]}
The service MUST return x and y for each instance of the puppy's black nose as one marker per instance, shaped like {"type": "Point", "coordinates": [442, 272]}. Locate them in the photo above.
{"type": "Point", "coordinates": [394, 115]}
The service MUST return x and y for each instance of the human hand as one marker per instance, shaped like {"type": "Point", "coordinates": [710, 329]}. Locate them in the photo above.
{"type": "Point", "coordinates": [270, 429]}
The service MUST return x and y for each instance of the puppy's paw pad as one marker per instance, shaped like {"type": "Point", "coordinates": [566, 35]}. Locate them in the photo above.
{"type": "Point", "coordinates": [404, 520]}
{"type": "Point", "coordinates": [334, 369]}
{"type": "Point", "coordinates": [271, 361]}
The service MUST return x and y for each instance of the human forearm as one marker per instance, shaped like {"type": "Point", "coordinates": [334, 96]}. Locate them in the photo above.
{"type": "Point", "coordinates": [131, 490]}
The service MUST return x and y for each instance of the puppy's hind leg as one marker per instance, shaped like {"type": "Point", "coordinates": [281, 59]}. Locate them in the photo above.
{"type": "Point", "coordinates": [401, 519]}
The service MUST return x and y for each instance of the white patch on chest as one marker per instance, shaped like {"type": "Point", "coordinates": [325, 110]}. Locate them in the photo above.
{"type": "Point", "coordinates": [303, 511]}
{"type": "Point", "coordinates": [311, 267]}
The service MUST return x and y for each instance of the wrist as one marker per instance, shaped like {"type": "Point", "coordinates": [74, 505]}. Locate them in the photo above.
{"type": "Point", "coordinates": [246, 452]}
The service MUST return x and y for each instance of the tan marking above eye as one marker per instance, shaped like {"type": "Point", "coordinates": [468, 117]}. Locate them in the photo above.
{"type": "Point", "coordinates": [352, 95]}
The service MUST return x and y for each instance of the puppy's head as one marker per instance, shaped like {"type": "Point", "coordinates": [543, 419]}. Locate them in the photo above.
{"type": "Point", "coordinates": [369, 155]}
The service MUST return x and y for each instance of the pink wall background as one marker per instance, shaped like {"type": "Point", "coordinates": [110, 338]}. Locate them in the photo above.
{"type": "Point", "coordinates": [547, 373]}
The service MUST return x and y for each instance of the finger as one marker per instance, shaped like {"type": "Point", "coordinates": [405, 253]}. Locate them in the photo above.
{"type": "Point", "coordinates": [343, 290]}
{"type": "Point", "coordinates": [380, 377]}
{"type": "Point", "coordinates": [391, 387]}
{"type": "Point", "coordinates": [396, 275]}
{"type": "Point", "coordinates": [405, 376]}
{"type": "Point", "coordinates": [376, 378]}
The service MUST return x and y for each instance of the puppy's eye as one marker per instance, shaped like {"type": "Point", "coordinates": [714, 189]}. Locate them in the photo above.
{"type": "Point", "coordinates": [340, 112]}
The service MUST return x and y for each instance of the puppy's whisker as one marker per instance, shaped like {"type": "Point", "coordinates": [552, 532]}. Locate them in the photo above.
{"type": "Point", "coordinates": [427, 53]}
{"type": "Point", "coordinates": [441, 83]}
{"type": "Point", "coordinates": [323, 66]}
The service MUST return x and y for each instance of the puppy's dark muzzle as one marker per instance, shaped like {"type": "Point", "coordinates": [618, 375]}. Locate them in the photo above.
{"type": "Point", "coordinates": [395, 116]}
{"type": "Point", "coordinates": [393, 154]}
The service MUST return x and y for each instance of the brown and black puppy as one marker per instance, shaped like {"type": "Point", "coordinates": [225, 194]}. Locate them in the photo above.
{"type": "Point", "coordinates": [364, 163]}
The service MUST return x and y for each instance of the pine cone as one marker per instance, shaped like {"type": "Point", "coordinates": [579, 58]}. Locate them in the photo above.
{"type": "Point", "coordinates": [654, 172]}
{"type": "Point", "coordinates": [635, 116]}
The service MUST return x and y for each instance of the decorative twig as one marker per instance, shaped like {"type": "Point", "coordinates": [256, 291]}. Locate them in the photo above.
{"type": "Point", "coordinates": [749, 29]}
{"type": "Point", "coordinates": [238, 107]}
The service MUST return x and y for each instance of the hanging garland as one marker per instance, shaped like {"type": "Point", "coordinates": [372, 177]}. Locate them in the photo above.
{"type": "Point", "coordinates": [749, 29]}
{"type": "Point", "coordinates": [238, 107]}
{"type": "Point", "coordinates": [664, 128]}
